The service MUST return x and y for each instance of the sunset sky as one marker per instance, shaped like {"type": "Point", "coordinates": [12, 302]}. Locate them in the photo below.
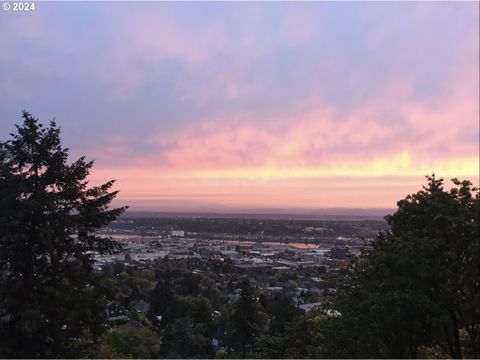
{"type": "Point", "coordinates": [240, 105]}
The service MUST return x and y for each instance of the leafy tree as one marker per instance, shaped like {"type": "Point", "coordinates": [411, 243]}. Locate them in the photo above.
{"type": "Point", "coordinates": [196, 307]}
{"type": "Point", "coordinates": [189, 284]}
{"type": "Point", "coordinates": [132, 343]}
{"type": "Point", "coordinates": [440, 233]}
{"type": "Point", "coordinates": [48, 218]}
{"type": "Point", "coordinates": [185, 339]}
{"type": "Point", "coordinates": [418, 287]}
{"type": "Point", "coordinates": [147, 274]}
{"type": "Point", "coordinates": [109, 287]}
{"type": "Point", "coordinates": [282, 310]}
{"type": "Point", "coordinates": [299, 339]}
{"type": "Point", "coordinates": [101, 350]}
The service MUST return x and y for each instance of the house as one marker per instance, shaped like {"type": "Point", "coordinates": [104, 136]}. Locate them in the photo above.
{"type": "Point", "coordinates": [274, 290]}
{"type": "Point", "coordinates": [142, 307]}
{"type": "Point", "coordinates": [117, 314]}
{"type": "Point", "coordinates": [134, 324]}
{"type": "Point", "coordinates": [177, 233]}
{"type": "Point", "coordinates": [310, 306]}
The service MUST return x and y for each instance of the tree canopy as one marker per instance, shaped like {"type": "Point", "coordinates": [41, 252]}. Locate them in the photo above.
{"type": "Point", "coordinates": [246, 318]}
{"type": "Point", "coordinates": [416, 291]}
{"type": "Point", "coordinates": [48, 218]}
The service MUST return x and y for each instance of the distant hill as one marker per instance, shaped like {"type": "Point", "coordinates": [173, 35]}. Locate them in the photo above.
{"type": "Point", "coordinates": [275, 213]}
{"type": "Point", "coordinates": [336, 211]}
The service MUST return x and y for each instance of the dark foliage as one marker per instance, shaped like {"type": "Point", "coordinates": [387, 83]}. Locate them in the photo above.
{"type": "Point", "coordinates": [246, 321]}
{"type": "Point", "coordinates": [48, 217]}
{"type": "Point", "coordinates": [417, 291]}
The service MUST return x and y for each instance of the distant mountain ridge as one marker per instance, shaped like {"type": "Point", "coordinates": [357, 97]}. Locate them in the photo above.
{"type": "Point", "coordinates": [337, 213]}
{"type": "Point", "coordinates": [324, 211]}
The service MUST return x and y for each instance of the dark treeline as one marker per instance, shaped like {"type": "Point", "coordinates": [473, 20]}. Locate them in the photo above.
{"type": "Point", "coordinates": [269, 227]}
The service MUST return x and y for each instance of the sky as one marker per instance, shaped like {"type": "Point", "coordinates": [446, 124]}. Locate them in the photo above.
{"type": "Point", "coordinates": [195, 106]}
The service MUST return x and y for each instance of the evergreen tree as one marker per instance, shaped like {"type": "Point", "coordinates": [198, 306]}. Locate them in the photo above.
{"type": "Point", "coordinates": [246, 320]}
{"type": "Point", "coordinates": [161, 297]}
{"type": "Point", "coordinates": [48, 218]}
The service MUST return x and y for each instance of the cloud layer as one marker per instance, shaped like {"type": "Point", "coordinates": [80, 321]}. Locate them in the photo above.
{"type": "Point", "coordinates": [253, 104]}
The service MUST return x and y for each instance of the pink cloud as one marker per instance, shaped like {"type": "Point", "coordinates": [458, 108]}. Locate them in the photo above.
{"type": "Point", "coordinates": [311, 192]}
{"type": "Point", "coordinates": [319, 138]}
{"type": "Point", "coordinates": [298, 26]}
{"type": "Point", "coordinates": [145, 38]}
{"type": "Point", "coordinates": [19, 28]}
